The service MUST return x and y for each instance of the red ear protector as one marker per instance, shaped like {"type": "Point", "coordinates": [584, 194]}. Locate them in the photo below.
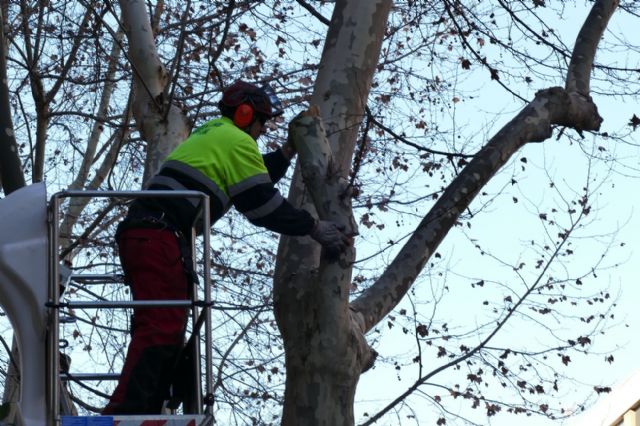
{"type": "Point", "coordinates": [243, 116]}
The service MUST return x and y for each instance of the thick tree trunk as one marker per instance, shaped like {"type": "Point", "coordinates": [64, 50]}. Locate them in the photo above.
{"type": "Point", "coordinates": [325, 350]}
{"type": "Point", "coordinates": [162, 125]}
{"type": "Point", "coordinates": [11, 175]}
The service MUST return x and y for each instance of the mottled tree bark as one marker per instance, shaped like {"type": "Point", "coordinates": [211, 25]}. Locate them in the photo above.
{"type": "Point", "coordinates": [162, 125]}
{"type": "Point", "coordinates": [325, 350]}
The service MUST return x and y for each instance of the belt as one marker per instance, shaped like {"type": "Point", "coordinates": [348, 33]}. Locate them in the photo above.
{"type": "Point", "coordinates": [141, 217]}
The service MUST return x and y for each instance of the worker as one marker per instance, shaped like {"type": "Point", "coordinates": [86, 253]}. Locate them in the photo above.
{"type": "Point", "coordinates": [221, 159]}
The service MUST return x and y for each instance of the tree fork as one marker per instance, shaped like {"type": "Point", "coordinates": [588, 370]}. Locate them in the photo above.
{"type": "Point", "coordinates": [324, 344]}
{"type": "Point", "coordinates": [322, 376]}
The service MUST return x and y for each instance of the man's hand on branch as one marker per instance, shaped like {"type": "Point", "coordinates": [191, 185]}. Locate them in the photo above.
{"type": "Point", "coordinates": [331, 236]}
{"type": "Point", "coordinates": [289, 149]}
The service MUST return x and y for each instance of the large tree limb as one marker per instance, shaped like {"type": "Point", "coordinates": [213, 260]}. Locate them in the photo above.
{"type": "Point", "coordinates": [349, 59]}
{"type": "Point", "coordinates": [571, 107]}
{"type": "Point", "coordinates": [160, 123]}
{"type": "Point", "coordinates": [584, 51]}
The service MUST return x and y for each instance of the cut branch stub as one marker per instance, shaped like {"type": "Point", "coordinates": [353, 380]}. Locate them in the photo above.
{"type": "Point", "coordinates": [326, 187]}
{"type": "Point", "coordinates": [309, 137]}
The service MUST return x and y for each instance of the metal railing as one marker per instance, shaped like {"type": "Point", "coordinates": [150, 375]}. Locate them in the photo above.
{"type": "Point", "coordinates": [54, 304]}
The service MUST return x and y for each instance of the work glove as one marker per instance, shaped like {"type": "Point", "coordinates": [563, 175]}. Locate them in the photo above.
{"type": "Point", "coordinates": [289, 149]}
{"type": "Point", "coordinates": [331, 236]}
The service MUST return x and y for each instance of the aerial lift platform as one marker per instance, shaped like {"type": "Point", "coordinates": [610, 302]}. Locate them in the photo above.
{"type": "Point", "coordinates": [30, 282]}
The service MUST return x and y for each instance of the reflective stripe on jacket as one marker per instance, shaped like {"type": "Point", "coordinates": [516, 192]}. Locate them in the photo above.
{"type": "Point", "coordinates": [223, 161]}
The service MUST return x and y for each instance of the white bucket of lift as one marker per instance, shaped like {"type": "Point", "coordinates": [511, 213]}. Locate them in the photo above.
{"type": "Point", "coordinates": [24, 289]}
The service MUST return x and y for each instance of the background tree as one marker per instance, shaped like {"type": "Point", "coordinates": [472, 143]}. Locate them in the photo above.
{"type": "Point", "coordinates": [11, 176]}
{"type": "Point", "coordinates": [104, 108]}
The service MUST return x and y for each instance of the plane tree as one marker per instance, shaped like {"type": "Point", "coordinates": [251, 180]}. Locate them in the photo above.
{"type": "Point", "coordinates": [366, 148]}
{"type": "Point", "coordinates": [322, 326]}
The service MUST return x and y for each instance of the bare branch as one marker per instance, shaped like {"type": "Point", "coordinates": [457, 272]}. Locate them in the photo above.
{"type": "Point", "coordinates": [584, 52]}
{"type": "Point", "coordinates": [533, 124]}
{"type": "Point", "coordinates": [314, 12]}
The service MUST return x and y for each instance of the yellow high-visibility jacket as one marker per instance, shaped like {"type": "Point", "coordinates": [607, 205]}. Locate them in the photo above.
{"type": "Point", "coordinates": [224, 162]}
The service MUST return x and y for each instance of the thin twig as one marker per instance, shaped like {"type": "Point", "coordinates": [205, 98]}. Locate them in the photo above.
{"type": "Point", "coordinates": [89, 229]}
{"type": "Point", "coordinates": [482, 345]}
{"type": "Point", "coordinates": [408, 142]}
{"type": "Point", "coordinates": [483, 61]}
{"type": "Point", "coordinates": [244, 331]}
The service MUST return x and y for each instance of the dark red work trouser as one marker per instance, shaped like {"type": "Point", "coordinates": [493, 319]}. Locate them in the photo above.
{"type": "Point", "coordinates": [153, 268]}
